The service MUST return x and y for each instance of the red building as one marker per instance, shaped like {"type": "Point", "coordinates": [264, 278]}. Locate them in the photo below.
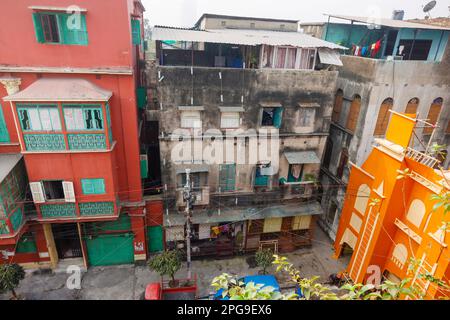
{"type": "Point", "coordinates": [70, 73]}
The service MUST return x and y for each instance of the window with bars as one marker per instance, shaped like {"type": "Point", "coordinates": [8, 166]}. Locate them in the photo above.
{"type": "Point", "coordinates": [39, 118]}
{"type": "Point", "coordinates": [60, 28]}
{"type": "Point", "coordinates": [83, 117]}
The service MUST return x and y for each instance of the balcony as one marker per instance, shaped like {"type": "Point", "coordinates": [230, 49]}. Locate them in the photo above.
{"type": "Point", "coordinates": [10, 225]}
{"type": "Point", "coordinates": [296, 190]}
{"type": "Point", "coordinates": [63, 210]}
{"type": "Point", "coordinates": [201, 195]}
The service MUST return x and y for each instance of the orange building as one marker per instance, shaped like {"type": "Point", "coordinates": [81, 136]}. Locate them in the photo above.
{"type": "Point", "coordinates": [389, 219]}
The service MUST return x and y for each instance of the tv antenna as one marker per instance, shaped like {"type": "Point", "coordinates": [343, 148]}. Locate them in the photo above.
{"type": "Point", "coordinates": [428, 7]}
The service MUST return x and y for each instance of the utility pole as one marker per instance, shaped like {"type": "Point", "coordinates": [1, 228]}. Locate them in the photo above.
{"type": "Point", "coordinates": [189, 199]}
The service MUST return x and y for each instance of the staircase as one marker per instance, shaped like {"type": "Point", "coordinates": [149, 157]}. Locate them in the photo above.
{"type": "Point", "coordinates": [363, 246]}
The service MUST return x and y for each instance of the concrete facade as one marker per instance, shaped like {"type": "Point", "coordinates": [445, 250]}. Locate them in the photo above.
{"type": "Point", "coordinates": [374, 81]}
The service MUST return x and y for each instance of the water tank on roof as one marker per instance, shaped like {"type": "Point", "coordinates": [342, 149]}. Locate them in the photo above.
{"type": "Point", "coordinates": [398, 14]}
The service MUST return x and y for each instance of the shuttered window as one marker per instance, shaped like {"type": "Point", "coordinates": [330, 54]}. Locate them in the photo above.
{"type": "Point", "coordinates": [352, 120]}
{"type": "Point", "coordinates": [229, 120]}
{"type": "Point", "coordinates": [191, 119]}
{"type": "Point", "coordinates": [433, 114]}
{"type": "Point", "coordinates": [93, 186]}
{"type": "Point", "coordinates": [383, 117]}
{"type": "Point", "coordinates": [60, 28]}
{"type": "Point", "coordinates": [272, 225]}
{"type": "Point", "coordinates": [227, 177]}
{"type": "Point", "coordinates": [339, 100]}
{"type": "Point", "coordinates": [83, 117]}
{"type": "Point", "coordinates": [39, 118]}
{"type": "Point", "coordinates": [4, 135]}
{"type": "Point", "coordinates": [411, 107]}
{"type": "Point", "coordinates": [301, 222]}
{"type": "Point", "coordinates": [136, 31]}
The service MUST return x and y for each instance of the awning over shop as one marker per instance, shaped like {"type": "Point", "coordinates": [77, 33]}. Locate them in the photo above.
{"type": "Point", "coordinates": [328, 56]}
{"type": "Point", "coordinates": [193, 168]}
{"type": "Point", "coordinates": [233, 215]}
{"type": "Point", "coordinates": [302, 157]}
{"type": "Point", "coordinates": [61, 89]}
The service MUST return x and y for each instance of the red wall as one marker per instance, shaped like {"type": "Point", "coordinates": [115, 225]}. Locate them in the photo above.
{"type": "Point", "coordinates": [124, 125]}
{"type": "Point", "coordinates": [109, 32]}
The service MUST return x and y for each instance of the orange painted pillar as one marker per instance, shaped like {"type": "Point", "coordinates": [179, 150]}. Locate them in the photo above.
{"type": "Point", "coordinates": [41, 244]}
{"type": "Point", "coordinates": [138, 227]}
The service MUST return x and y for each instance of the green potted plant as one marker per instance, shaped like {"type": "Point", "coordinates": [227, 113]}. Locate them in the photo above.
{"type": "Point", "coordinates": [167, 263]}
{"type": "Point", "coordinates": [10, 277]}
{"type": "Point", "coordinates": [264, 258]}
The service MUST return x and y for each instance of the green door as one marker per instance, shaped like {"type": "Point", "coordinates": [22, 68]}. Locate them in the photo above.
{"type": "Point", "coordinates": [110, 249]}
{"type": "Point", "coordinates": [155, 239]}
{"type": "Point", "coordinates": [227, 177]}
{"type": "Point", "coordinates": [4, 135]}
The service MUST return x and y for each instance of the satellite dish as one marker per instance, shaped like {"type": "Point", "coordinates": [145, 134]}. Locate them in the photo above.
{"type": "Point", "coordinates": [429, 6]}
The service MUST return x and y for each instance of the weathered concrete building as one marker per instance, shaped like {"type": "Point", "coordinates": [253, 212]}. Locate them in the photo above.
{"type": "Point", "coordinates": [220, 97]}
{"type": "Point", "coordinates": [413, 80]}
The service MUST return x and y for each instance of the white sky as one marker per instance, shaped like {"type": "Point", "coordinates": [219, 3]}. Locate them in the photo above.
{"type": "Point", "coordinates": [184, 13]}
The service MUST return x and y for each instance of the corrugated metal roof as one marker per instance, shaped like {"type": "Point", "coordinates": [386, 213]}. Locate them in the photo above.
{"type": "Point", "coordinates": [328, 56]}
{"type": "Point", "coordinates": [242, 214]}
{"type": "Point", "coordinates": [298, 157]}
{"type": "Point", "coordinates": [61, 89]}
{"type": "Point", "coordinates": [7, 163]}
{"type": "Point", "coordinates": [388, 22]}
{"type": "Point", "coordinates": [242, 37]}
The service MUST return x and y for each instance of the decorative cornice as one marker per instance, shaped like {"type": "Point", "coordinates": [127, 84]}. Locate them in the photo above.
{"type": "Point", "coordinates": [11, 84]}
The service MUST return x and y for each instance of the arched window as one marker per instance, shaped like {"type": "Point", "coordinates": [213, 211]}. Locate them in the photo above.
{"type": "Point", "coordinates": [342, 163]}
{"type": "Point", "coordinates": [411, 107]}
{"type": "Point", "coordinates": [416, 212]}
{"type": "Point", "coordinates": [399, 255]}
{"type": "Point", "coordinates": [383, 117]}
{"type": "Point", "coordinates": [433, 114]}
{"type": "Point", "coordinates": [353, 115]}
{"type": "Point", "coordinates": [338, 101]}
{"type": "Point", "coordinates": [362, 198]}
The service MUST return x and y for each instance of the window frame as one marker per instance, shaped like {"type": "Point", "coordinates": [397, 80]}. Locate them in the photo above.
{"type": "Point", "coordinates": [94, 191]}
{"type": "Point", "coordinates": [83, 107]}
{"type": "Point", "coordinates": [81, 38]}
{"type": "Point", "coordinates": [237, 116]}
{"type": "Point", "coordinates": [27, 107]}
{"type": "Point", "coordinates": [184, 114]}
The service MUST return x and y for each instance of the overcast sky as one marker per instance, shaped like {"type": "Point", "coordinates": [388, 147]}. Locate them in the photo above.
{"type": "Point", "coordinates": [184, 13]}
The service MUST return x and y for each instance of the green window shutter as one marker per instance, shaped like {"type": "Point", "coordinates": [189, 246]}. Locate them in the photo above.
{"type": "Point", "coordinates": [144, 166]}
{"type": "Point", "coordinates": [227, 177]}
{"type": "Point", "coordinates": [108, 120]}
{"type": "Point", "coordinates": [93, 186]}
{"type": "Point", "coordinates": [38, 28]}
{"type": "Point", "coordinates": [70, 32]}
{"type": "Point", "coordinates": [277, 117]}
{"type": "Point", "coordinates": [136, 31]}
{"type": "Point", "coordinates": [141, 94]}
{"type": "Point", "coordinates": [4, 135]}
